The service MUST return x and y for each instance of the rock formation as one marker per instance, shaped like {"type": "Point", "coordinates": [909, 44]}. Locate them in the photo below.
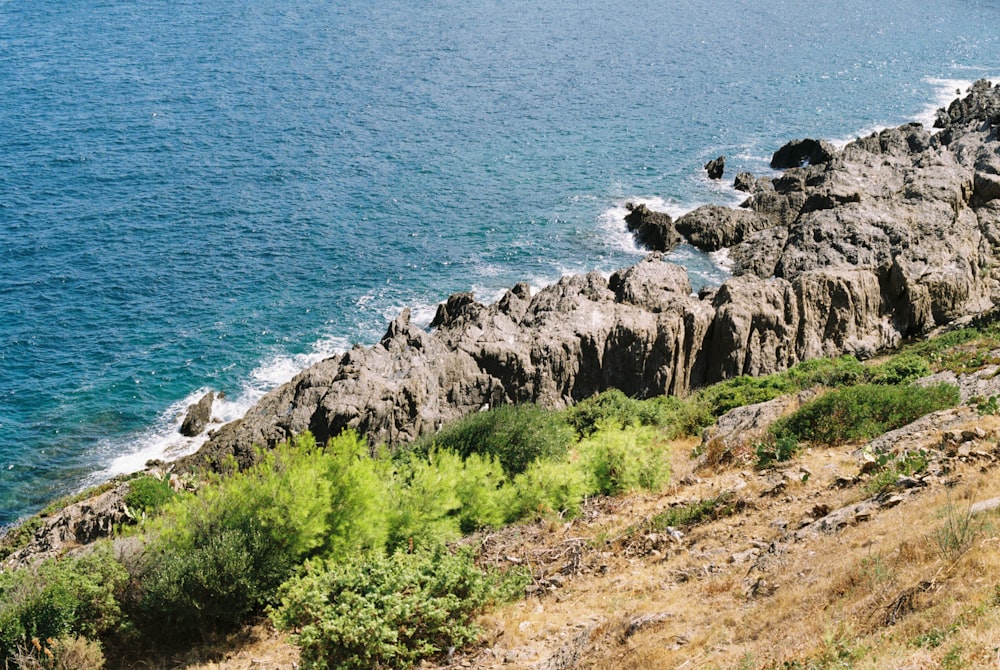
{"type": "Point", "coordinates": [716, 167]}
{"type": "Point", "coordinates": [654, 230]}
{"type": "Point", "coordinates": [198, 415]}
{"type": "Point", "coordinates": [846, 252]}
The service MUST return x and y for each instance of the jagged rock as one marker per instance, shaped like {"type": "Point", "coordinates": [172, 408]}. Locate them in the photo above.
{"type": "Point", "coordinates": [653, 230]}
{"type": "Point", "coordinates": [711, 227]}
{"type": "Point", "coordinates": [848, 254]}
{"type": "Point", "coordinates": [77, 524]}
{"type": "Point", "coordinates": [802, 152]}
{"type": "Point", "coordinates": [716, 167]}
{"type": "Point", "coordinates": [758, 254]}
{"type": "Point", "coordinates": [198, 416]}
{"type": "Point", "coordinates": [745, 181]}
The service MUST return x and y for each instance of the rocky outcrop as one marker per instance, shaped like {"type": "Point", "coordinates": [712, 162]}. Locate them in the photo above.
{"type": "Point", "coordinates": [848, 253]}
{"type": "Point", "coordinates": [802, 152]}
{"type": "Point", "coordinates": [712, 227]}
{"type": "Point", "coordinates": [653, 230]}
{"type": "Point", "coordinates": [198, 416]}
{"type": "Point", "coordinates": [716, 167]}
{"type": "Point", "coordinates": [78, 524]}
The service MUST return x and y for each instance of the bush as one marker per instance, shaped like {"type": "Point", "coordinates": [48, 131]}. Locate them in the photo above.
{"type": "Point", "coordinates": [776, 449]}
{"type": "Point", "coordinates": [900, 369]}
{"type": "Point", "coordinates": [387, 612]}
{"type": "Point", "coordinates": [624, 459]}
{"type": "Point", "coordinates": [516, 435]}
{"type": "Point", "coordinates": [611, 405]}
{"type": "Point", "coordinates": [219, 555]}
{"type": "Point", "coordinates": [358, 516]}
{"type": "Point", "coordinates": [70, 596]}
{"type": "Point", "coordinates": [146, 494]}
{"type": "Point", "coordinates": [742, 391]}
{"type": "Point", "coordinates": [830, 372]}
{"type": "Point", "coordinates": [547, 488]}
{"type": "Point", "coordinates": [862, 412]}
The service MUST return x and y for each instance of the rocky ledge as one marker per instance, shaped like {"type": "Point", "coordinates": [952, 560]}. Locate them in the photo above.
{"type": "Point", "coordinates": [847, 251]}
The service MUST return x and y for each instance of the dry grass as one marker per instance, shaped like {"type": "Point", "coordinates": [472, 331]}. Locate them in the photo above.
{"type": "Point", "coordinates": [745, 592]}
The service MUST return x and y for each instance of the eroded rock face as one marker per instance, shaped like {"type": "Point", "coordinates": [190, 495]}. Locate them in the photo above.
{"type": "Point", "coordinates": [77, 524]}
{"type": "Point", "coordinates": [847, 252]}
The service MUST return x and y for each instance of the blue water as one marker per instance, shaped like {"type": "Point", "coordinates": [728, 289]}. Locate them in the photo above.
{"type": "Point", "coordinates": [203, 194]}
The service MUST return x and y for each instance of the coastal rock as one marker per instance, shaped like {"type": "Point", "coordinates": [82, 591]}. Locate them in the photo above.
{"type": "Point", "coordinates": [745, 182]}
{"type": "Point", "coordinates": [712, 227]}
{"type": "Point", "coordinates": [845, 252]}
{"type": "Point", "coordinates": [653, 230]}
{"type": "Point", "coordinates": [77, 524]}
{"type": "Point", "coordinates": [716, 167]}
{"type": "Point", "coordinates": [802, 152]}
{"type": "Point", "coordinates": [198, 416]}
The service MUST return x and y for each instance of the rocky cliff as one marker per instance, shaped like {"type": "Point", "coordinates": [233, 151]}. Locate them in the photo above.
{"type": "Point", "coordinates": [847, 251]}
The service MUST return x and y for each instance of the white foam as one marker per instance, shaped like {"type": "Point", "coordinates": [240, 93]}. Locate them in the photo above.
{"type": "Point", "coordinates": [946, 92]}
{"type": "Point", "coordinates": [164, 441]}
{"type": "Point", "coordinates": [722, 259]}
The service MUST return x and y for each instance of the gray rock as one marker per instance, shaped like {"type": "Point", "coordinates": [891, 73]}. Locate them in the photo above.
{"type": "Point", "coordinates": [198, 416]}
{"type": "Point", "coordinates": [716, 167]}
{"type": "Point", "coordinates": [802, 152]}
{"type": "Point", "coordinates": [78, 524]}
{"type": "Point", "coordinates": [849, 253]}
{"type": "Point", "coordinates": [653, 230]}
{"type": "Point", "coordinates": [712, 227]}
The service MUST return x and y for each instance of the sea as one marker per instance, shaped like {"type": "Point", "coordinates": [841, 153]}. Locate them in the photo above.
{"type": "Point", "coordinates": [211, 195]}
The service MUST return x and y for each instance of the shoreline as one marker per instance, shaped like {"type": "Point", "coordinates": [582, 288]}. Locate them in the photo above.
{"type": "Point", "coordinates": [137, 460]}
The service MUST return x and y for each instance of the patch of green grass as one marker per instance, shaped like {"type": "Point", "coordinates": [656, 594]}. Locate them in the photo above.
{"type": "Point", "coordinates": [863, 412]}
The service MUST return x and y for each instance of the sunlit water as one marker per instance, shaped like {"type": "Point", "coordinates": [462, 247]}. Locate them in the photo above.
{"type": "Point", "coordinates": [200, 194]}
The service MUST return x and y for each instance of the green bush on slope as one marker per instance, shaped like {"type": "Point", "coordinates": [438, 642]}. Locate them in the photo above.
{"type": "Point", "coordinates": [516, 435]}
{"type": "Point", "coordinates": [863, 412]}
{"type": "Point", "coordinates": [387, 612]}
{"type": "Point", "coordinates": [72, 596]}
{"type": "Point", "coordinates": [214, 557]}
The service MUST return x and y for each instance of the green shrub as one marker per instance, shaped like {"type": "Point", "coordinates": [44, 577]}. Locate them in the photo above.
{"type": "Point", "coordinates": [75, 595]}
{"type": "Point", "coordinates": [217, 556]}
{"type": "Point", "coordinates": [611, 405]}
{"type": "Point", "coordinates": [387, 612]}
{"type": "Point", "coordinates": [742, 391]}
{"type": "Point", "coordinates": [358, 518]}
{"type": "Point", "coordinates": [862, 412]}
{"type": "Point", "coordinates": [516, 435]}
{"type": "Point", "coordinates": [547, 488]}
{"type": "Point", "coordinates": [831, 372]}
{"type": "Point", "coordinates": [624, 459]}
{"type": "Point", "coordinates": [892, 468]}
{"type": "Point", "coordinates": [901, 369]}
{"type": "Point", "coordinates": [776, 449]}
{"type": "Point", "coordinates": [424, 502]}
{"type": "Point", "coordinates": [146, 494]}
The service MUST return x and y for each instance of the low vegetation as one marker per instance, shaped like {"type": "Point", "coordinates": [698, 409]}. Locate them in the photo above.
{"type": "Point", "coordinates": [354, 553]}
